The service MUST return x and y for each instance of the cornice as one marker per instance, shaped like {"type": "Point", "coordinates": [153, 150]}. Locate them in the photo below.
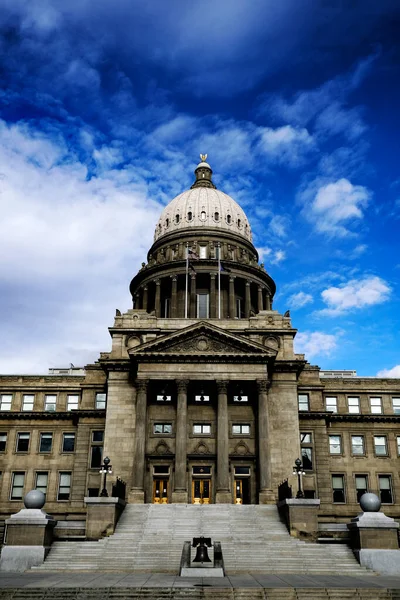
{"type": "Point", "coordinates": [74, 415]}
{"type": "Point", "coordinates": [338, 417]}
{"type": "Point", "coordinates": [288, 366]}
{"type": "Point", "coordinates": [115, 364]}
{"type": "Point", "coordinates": [159, 357]}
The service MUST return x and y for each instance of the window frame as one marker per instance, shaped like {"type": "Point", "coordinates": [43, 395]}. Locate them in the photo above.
{"type": "Point", "coordinates": [46, 402]}
{"type": "Point", "coordinates": [343, 489]}
{"type": "Point", "coordinates": [18, 438]}
{"type": "Point", "coordinates": [390, 478]}
{"type": "Point", "coordinates": [5, 434]}
{"type": "Point", "coordinates": [396, 405]}
{"type": "Point", "coordinates": [8, 405]}
{"type": "Point", "coordinates": [59, 486]}
{"type": "Point", "coordinates": [97, 401]}
{"type": "Point", "coordinates": [63, 438]}
{"type": "Point", "coordinates": [25, 403]}
{"type": "Point", "coordinates": [350, 407]}
{"type": "Point", "coordinates": [163, 424]}
{"type": "Point", "coordinates": [14, 473]}
{"type": "Point", "coordinates": [386, 446]}
{"type": "Point", "coordinates": [69, 407]}
{"type": "Point", "coordinates": [353, 453]}
{"type": "Point", "coordinates": [95, 446]}
{"type": "Point", "coordinates": [45, 433]}
{"type": "Point", "coordinates": [207, 295]}
{"type": "Point", "coordinates": [336, 404]}
{"type": "Point", "coordinates": [241, 432]}
{"type": "Point", "coordinates": [201, 433]}
{"type": "Point", "coordinates": [336, 435]}
{"type": "Point", "coordinates": [301, 403]}
{"type": "Point", "coordinates": [365, 475]}
{"type": "Point", "coordinates": [203, 251]}
{"type": "Point", "coordinates": [37, 474]}
{"type": "Point", "coordinates": [379, 406]}
{"type": "Point", "coordinates": [307, 444]}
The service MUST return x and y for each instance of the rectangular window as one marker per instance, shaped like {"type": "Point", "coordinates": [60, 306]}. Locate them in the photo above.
{"type": "Point", "coordinates": [376, 406]}
{"type": "Point", "coordinates": [305, 438]}
{"type": "Point", "coordinates": [97, 436]}
{"type": "Point", "coordinates": [50, 402]}
{"type": "Point", "coordinates": [64, 486]}
{"type": "Point", "coordinates": [338, 488]}
{"type": "Point", "coordinates": [395, 401]}
{"type": "Point", "coordinates": [101, 400]}
{"type": "Point", "coordinates": [242, 429]}
{"type": "Point", "coordinates": [3, 441]}
{"type": "Point", "coordinates": [202, 251]}
{"type": "Point", "coordinates": [239, 312]}
{"type": "Point", "coordinates": [46, 442]}
{"type": "Point", "coordinates": [202, 428]}
{"type": "Point", "coordinates": [203, 470]}
{"type": "Point", "coordinates": [27, 401]}
{"type": "Point", "coordinates": [202, 306]}
{"type": "Point", "coordinates": [161, 470]}
{"type": "Point", "coordinates": [303, 402]}
{"type": "Point", "coordinates": [335, 444]}
{"type": "Point", "coordinates": [72, 402]}
{"type": "Point", "coordinates": [398, 444]}
{"type": "Point", "coordinates": [380, 444]}
{"type": "Point", "coordinates": [163, 398]}
{"type": "Point", "coordinates": [42, 479]}
{"type": "Point", "coordinates": [167, 308]}
{"type": "Point", "coordinates": [306, 456]}
{"type": "Point", "coordinates": [385, 489]}
{"type": "Point", "coordinates": [162, 428]}
{"type": "Point", "coordinates": [357, 445]}
{"type": "Point", "coordinates": [202, 398]}
{"type": "Point", "coordinates": [23, 442]}
{"type": "Point", "coordinates": [240, 398]}
{"type": "Point", "coordinates": [361, 485]}
{"type": "Point", "coordinates": [354, 404]}
{"type": "Point", "coordinates": [17, 487]}
{"type": "Point", "coordinates": [6, 399]}
{"type": "Point", "coordinates": [331, 404]}
{"type": "Point", "coordinates": [242, 470]}
{"type": "Point", "coordinates": [96, 456]}
{"type": "Point", "coordinates": [68, 442]}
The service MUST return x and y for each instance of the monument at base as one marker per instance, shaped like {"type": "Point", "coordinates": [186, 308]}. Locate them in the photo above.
{"type": "Point", "coordinates": [28, 535]}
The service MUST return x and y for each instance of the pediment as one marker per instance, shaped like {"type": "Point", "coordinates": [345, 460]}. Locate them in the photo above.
{"type": "Point", "coordinates": [203, 340]}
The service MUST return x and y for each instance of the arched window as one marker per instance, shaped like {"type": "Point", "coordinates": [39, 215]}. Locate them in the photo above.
{"type": "Point", "coordinates": [159, 227]}
{"type": "Point", "coordinates": [229, 219]}
{"type": "Point", "coordinates": [190, 215]}
{"type": "Point", "coordinates": [203, 215]}
{"type": "Point", "coordinates": [239, 223]}
{"type": "Point", "coordinates": [166, 222]}
{"type": "Point", "coordinates": [176, 218]}
{"type": "Point", "coordinates": [216, 216]}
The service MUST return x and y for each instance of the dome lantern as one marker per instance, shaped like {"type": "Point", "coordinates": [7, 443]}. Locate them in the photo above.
{"type": "Point", "coordinates": [203, 174]}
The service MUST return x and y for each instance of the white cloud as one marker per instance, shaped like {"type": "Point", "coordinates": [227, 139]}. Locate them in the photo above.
{"type": "Point", "coordinates": [355, 294]}
{"type": "Point", "coordinates": [394, 372]}
{"type": "Point", "coordinates": [333, 206]}
{"type": "Point", "coordinates": [286, 145]}
{"type": "Point", "coordinates": [279, 256]}
{"type": "Point", "coordinates": [299, 300]}
{"type": "Point", "coordinates": [275, 256]}
{"type": "Point", "coordinates": [315, 343]}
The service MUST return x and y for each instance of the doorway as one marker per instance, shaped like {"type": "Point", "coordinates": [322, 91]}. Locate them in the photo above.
{"type": "Point", "coordinates": [160, 491]}
{"type": "Point", "coordinates": [242, 491]}
{"type": "Point", "coordinates": [201, 491]}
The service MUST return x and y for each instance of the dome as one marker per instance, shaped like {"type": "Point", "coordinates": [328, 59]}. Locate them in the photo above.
{"type": "Point", "coordinates": [203, 206]}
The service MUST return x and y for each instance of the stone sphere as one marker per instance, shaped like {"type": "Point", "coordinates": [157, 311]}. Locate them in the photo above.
{"type": "Point", "coordinates": [370, 502]}
{"type": "Point", "coordinates": [34, 499]}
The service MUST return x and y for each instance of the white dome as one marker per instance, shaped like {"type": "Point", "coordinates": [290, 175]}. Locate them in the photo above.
{"type": "Point", "coordinates": [203, 207]}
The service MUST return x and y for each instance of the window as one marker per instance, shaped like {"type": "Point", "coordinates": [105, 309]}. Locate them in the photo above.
{"type": "Point", "coordinates": [202, 306]}
{"type": "Point", "coordinates": [101, 400]}
{"type": "Point", "coordinates": [166, 222]}
{"type": "Point", "coordinates": [17, 487]}
{"type": "Point", "coordinates": [203, 215]}
{"type": "Point", "coordinates": [96, 450]}
{"type": "Point", "coordinates": [202, 251]}
{"type": "Point", "coordinates": [380, 444]}
{"type": "Point", "coordinates": [6, 399]}
{"type": "Point", "coordinates": [361, 485]}
{"type": "Point", "coordinates": [23, 442]}
{"type": "Point", "coordinates": [242, 429]}
{"type": "Point", "coordinates": [376, 406]}
{"type": "Point", "coordinates": [331, 404]}
{"type": "Point", "coordinates": [354, 404]}
{"type": "Point", "coordinates": [216, 216]}
{"type": "Point", "coordinates": [202, 428]}
{"type": "Point", "coordinates": [338, 488]}
{"type": "Point", "coordinates": [161, 470]}
{"type": "Point", "coordinates": [385, 489]}
{"type": "Point", "coordinates": [167, 305]}
{"type": "Point", "coordinates": [306, 450]}
{"type": "Point", "coordinates": [163, 398]}
{"type": "Point", "coordinates": [242, 471]}
{"type": "Point", "coordinates": [46, 442]}
{"type": "Point", "coordinates": [50, 403]}
{"type": "Point", "coordinates": [229, 219]}
{"type": "Point", "coordinates": [303, 401]}
{"type": "Point", "coordinates": [162, 428]}
{"type": "Point", "coordinates": [395, 401]}
{"type": "Point", "coordinates": [3, 441]}
{"type": "Point", "coordinates": [42, 479]}
{"type": "Point", "coordinates": [68, 444]}
{"type": "Point", "coordinates": [239, 312]}
{"type": "Point", "coordinates": [177, 218]}
{"type": "Point", "coordinates": [190, 215]}
{"type": "Point", "coordinates": [398, 443]}
{"type": "Point", "coordinates": [72, 402]}
{"type": "Point", "coordinates": [240, 398]}
{"type": "Point", "coordinates": [202, 398]}
{"type": "Point", "coordinates": [357, 445]}
{"type": "Point", "coordinates": [239, 222]}
{"type": "Point", "coordinates": [335, 444]}
{"type": "Point", "coordinates": [97, 436]}
{"type": "Point", "coordinates": [27, 401]}
{"type": "Point", "coordinates": [64, 486]}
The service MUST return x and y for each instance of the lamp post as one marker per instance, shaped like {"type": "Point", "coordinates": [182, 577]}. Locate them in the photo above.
{"type": "Point", "coordinates": [105, 469]}
{"type": "Point", "coordinates": [298, 470]}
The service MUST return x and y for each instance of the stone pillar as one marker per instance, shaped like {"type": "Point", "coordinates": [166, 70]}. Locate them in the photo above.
{"type": "Point", "coordinates": [192, 307]}
{"type": "Point", "coordinates": [223, 494]}
{"type": "Point", "coordinates": [232, 299]}
{"type": "Point", "coordinates": [136, 495]}
{"type": "Point", "coordinates": [180, 493]}
{"type": "Point", "coordinates": [174, 297]}
{"type": "Point", "coordinates": [268, 302]}
{"type": "Point", "coordinates": [137, 300]}
{"type": "Point", "coordinates": [247, 300]}
{"type": "Point", "coordinates": [260, 299]}
{"type": "Point", "coordinates": [157, 305]}
{"type": "Point", "coordinates": [102, 516]}
{"type": "Point", "coordinates": [145, 297]}
{"type": "Point", "coordinates": [266, 495]}
{"type": "Point", "coordinates": [213, 297]}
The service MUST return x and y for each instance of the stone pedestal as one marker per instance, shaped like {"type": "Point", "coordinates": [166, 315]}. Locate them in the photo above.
{"type": "Point", "coordinates": [102, 516]}
{"type": "Point", "coordinates": [301, 516]}
{"type": "Point", "coordinates": [266, 497]}
{"type": "Point", "coordinates": [28, 537]}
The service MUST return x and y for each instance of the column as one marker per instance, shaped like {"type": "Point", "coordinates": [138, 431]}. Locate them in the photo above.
{"type": "Point", "coordinates": [260, 299]}
{"type": "Point", "coordinates": [269, 303]}
{"type": "Point", "coordinates": [192, 306]}
{"type": "Point", "coordinates": [145, 296]}
{"type": "Point", "coordinates": [136, 495]}
{"type": "Point", "coordinates": [213, 297]}
{"type": "Point", "coordinates": [247, 300]}
{"type": "Point", "coordinates": [266, 495]}
{"type": "Point", "coordinates": [157, 305]}
{"type": "Point", "coordinates": [232, 299]}
{"type": "Point", "coordinates": [174, 297]}
{"type": "Point", "coordinates": [180, 482]}
{"type": "Point", "coordinates": [137, 300]}
{"type": "Point", "coordinates": [223, 494]}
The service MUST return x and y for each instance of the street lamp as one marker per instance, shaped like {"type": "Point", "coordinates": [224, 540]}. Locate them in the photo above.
{"type": "Point", "coordinates": [105, 469]}
{"type": "Point", "coordinates": [298, 470]}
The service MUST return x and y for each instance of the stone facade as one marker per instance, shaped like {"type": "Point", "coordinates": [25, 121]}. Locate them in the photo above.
{"type": "Point", "coordinates": [201, 398]}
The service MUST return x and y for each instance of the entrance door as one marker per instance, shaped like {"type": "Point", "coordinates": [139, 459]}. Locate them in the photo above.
{"type": "Point", "coordinates": [201, 491]}
{"type": "Point", "coordinates": [160, 491]}
{"type": "Point", "coordinates": [242, 491]}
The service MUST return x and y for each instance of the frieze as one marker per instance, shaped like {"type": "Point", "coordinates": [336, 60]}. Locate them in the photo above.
{"type": "Point", "coordinates": [162, 449]}
{"type": "Point", "coordinates": [241, 449]}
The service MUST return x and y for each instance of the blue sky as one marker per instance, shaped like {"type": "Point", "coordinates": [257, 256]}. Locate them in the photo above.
{"type": "Point", "coordinates": [104, 109]}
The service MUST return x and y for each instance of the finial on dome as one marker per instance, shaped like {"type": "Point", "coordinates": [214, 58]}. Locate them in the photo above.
{"type": "Point", "coordinates": [203, 157]}
{"type": "Point", "coordinates": [203, 174]}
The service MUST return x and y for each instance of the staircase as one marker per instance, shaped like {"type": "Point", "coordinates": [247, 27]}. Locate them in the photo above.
{"type": "Point", "coordinates": [149, 538]}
